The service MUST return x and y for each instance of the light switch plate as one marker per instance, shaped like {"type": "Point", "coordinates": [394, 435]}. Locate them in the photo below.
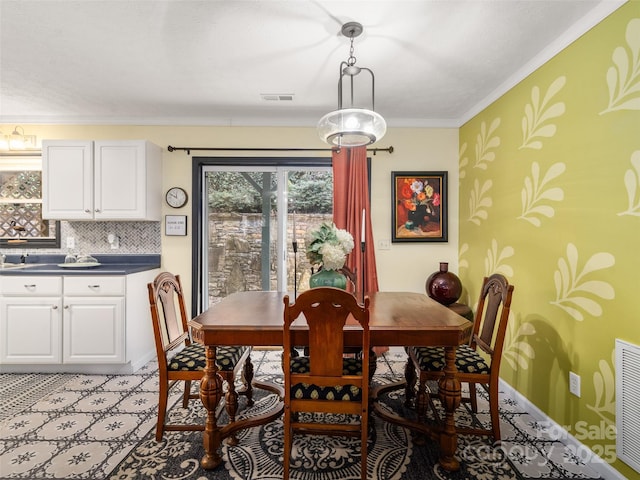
{"type": "Point", "coordinates": [384, 245]}
{"type": "Point", "coordinates": [574, 384]}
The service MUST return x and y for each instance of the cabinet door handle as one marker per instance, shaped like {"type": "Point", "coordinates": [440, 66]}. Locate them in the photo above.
{"type": "Point", "coordinates": [93, 286]}
{"type": "Point", "coordinates": [54, 307]}
{"type": "Point", "coordinates": [30, 286]}
{"type": "Point", "coordinates": [86, 210]}
{"type": "Point", "coordinates": [66, 307]}
{"type": "Point", "coordinates": [97, 210]}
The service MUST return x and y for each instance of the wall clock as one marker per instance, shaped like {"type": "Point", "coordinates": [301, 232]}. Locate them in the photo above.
{"type": "Point", "coordinates": [176, 197]}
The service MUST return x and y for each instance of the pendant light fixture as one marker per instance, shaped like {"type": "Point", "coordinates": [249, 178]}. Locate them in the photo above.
{"type": "Point", "coordinates": [352, 126]}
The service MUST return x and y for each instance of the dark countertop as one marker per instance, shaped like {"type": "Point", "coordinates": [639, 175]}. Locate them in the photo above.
{"type": "Point", "coordinates": [109, 265]}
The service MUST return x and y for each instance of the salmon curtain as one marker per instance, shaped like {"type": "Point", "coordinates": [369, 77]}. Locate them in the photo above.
{"type": "Point", "coordinates": [350, 198]}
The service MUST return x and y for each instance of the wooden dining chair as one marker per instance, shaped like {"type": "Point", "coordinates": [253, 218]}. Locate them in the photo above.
{"type": "Point", "coordinates": [181, 360]}
{"type": "Point", "coordinates": [477, 363]}
{"type": "Point", "coordinates": [326, 381]}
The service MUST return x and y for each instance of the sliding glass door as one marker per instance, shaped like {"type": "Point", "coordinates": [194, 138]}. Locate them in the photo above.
{"type": "Point", "coordinates": [247, 218]}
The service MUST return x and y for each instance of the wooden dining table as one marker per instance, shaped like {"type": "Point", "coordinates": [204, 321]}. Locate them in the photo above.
{"type": "Point", "coordinates": [255, 319]}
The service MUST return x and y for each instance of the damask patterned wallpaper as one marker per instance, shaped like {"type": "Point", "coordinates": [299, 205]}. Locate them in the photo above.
{"type": "Point", "coordinates": [550, 197]}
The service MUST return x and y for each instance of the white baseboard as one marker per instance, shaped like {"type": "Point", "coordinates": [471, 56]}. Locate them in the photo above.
{"type": "Point", "coordinates": [143, 360]}
{"type": "Point", "coordinates": [605, 470]}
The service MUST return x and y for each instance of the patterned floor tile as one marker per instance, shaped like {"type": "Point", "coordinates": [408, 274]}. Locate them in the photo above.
{"type": "Point", "coordinates": [529, 461]}
{"type": "Point", "coordinates": [98, 401]}
{"type": "Point", "coordinates": [19, 391]}
{"type": "Point", "coordinates": [138, 403]}
{"type": "Point", "coordinates": [530, 426]}
{"type": "Point", "coordinates": [124, 383]}
{"type": "Point", "coordinates": [65, 426]}
{"type": "Point", "coordinates": [113, 427]}
{"type": "Point", "coordinates": [86, 382]}
{"type": "Point", "coordinates": [80, 460]}
{"type": "Point", "coordinates": [570, 460]}
{"type": "Point", "coordinates": [25, 458]}
{"type": "Point", "coordinates": [22, 425]}
{"type": "Point", "coordinates": [57, 401]}
{"type": "Point", "coordinates": [150, 384]}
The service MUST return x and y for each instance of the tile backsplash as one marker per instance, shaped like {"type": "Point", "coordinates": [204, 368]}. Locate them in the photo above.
{"type": "Point", "coordinates": [91, 237]}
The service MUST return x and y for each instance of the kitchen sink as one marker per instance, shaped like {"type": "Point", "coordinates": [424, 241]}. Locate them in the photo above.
{"type": "Point", "coordinates": [15, 266]}
{"type": "Point", "coordinates": [7, 266]}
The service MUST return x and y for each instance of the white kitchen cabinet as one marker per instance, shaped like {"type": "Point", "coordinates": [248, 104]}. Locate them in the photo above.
{"type": "Point", "coordinates": [30, 320]}
{"type": "Point", "coordinates": [93, 322]}
{"type": "Point", "coordinates": [75, 323]}
{"type": "Point", "coordinates": [101, 180]}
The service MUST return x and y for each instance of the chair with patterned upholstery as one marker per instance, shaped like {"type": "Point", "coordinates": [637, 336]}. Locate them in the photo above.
{"type": "Point", "coordinates": [477, 363]}
{"type": "Point", "coordinates": [326, 381]}
{"type": "Point", "coordinates": [181, 360]}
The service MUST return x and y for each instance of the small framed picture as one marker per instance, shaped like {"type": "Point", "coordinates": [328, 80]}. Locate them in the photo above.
{"type": "Point", "coordinates": [175, 225]}
{"type": "Point", "coordinates": [419, 207]}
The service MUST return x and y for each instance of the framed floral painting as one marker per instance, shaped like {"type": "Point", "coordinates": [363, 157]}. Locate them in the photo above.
{"type": "Point", "coordinates": [419, 206]}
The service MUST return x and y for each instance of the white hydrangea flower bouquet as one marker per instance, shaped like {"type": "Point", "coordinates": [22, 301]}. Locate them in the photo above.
{"type": "Point", "coordinates": [328, 246]}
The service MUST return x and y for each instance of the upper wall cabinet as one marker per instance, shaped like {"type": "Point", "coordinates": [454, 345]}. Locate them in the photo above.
{"type": "Point", "coordinates": [101, 180]}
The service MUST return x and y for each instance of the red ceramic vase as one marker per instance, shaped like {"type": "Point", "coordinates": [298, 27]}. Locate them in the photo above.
{"type": "Point", "coordinates": [444, 286]}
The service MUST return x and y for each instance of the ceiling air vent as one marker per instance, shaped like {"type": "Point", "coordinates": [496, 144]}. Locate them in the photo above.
{"type": "Point", "coordinates": [277, 97]}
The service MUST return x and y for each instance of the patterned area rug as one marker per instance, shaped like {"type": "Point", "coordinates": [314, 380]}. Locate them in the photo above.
{"type": "Point", "coordinates": [393, 452]}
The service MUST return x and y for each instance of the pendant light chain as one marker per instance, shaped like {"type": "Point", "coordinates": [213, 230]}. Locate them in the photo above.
{"type": "Point", "coordinates": [351, 61]}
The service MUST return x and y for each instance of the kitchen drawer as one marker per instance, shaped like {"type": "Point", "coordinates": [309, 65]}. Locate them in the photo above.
{"type": "Point", "coordinates": [82, 285]}
{"type": "Point", "coordinates": [30, 285]}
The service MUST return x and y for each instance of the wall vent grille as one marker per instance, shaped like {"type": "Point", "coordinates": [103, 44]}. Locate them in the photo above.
{"type": "Point", "coordinates": [628, 403]}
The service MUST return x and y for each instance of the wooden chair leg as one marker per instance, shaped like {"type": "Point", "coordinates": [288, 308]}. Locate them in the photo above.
{"type": "Point", "coordinates": [373, 363]}
{"type": "Point", "coordinates": [162, 409]}
{"type": "Point", "coordinates": [473, 397]}
{"type": "Point", "coordinates": [186, 394]}
{"type": "Point", "coordinates": [493, 408]}
{"type": "Point", "coordinates": [247, 380]}
{"type": "Point", "coordinates": [287, 444]}
{"type": "Point", "coordinates": [364, 437]}
{"type": "Point", "coordinates": [410, 385]}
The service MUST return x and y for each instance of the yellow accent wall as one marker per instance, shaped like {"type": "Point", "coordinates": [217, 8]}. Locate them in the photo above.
{"type": "Point", "coordinates": [550, 197]}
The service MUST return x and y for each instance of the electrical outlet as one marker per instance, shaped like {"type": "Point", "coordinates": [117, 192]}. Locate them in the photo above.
{"type": "Point", "coordinates": [71, 242]}
{"type": "Point", "coordinates": [384, 245]}
{"type": "Point", "coordinates": [574, 384]}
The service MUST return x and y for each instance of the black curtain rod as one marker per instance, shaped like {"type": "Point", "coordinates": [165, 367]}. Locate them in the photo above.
{"type": "Point", "coordinates": [221, 149]}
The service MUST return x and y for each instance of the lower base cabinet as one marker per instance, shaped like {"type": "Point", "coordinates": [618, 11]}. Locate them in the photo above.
{"type": "Point", "coordinates": [37, 340]}
{"type": "Point", "coordinates": [93, 330]}
{"type": "Point", "coordinates": [70, 322]}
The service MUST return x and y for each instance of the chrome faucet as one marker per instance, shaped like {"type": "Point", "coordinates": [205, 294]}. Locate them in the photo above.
{"type": "Point", "coordinates": [23, 258]}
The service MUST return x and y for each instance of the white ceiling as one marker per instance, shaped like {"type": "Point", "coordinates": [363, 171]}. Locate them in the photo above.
{"type": "Point", "coordinates": [208, 62]}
